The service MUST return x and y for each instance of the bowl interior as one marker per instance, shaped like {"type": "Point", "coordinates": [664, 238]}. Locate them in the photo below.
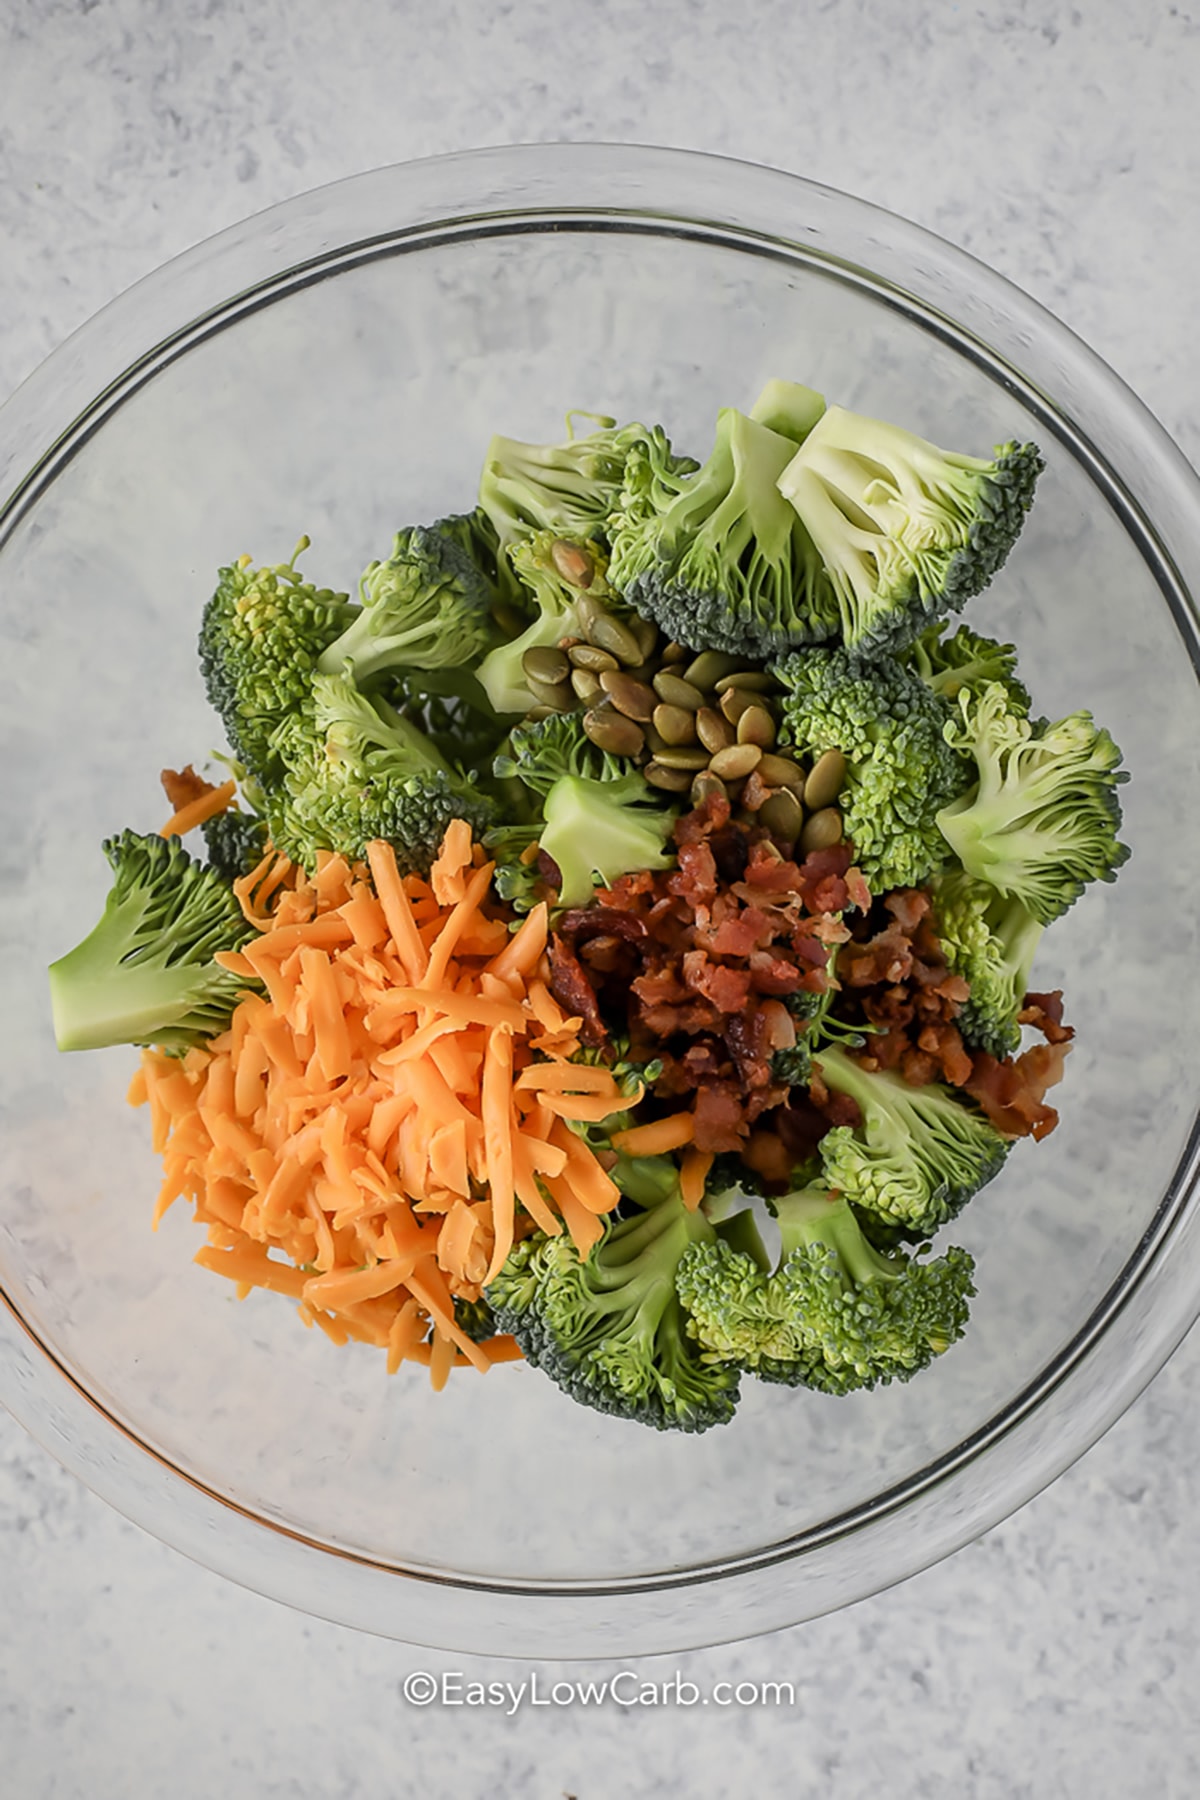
{"type": "Point", "coordinates": [346, 403]}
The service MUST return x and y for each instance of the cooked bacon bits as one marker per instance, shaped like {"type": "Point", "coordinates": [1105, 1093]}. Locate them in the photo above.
{"type": "Point", "coordinates": [895, 979]}
{"type": "Point", "coordinates": [693, 965]}
{"type": "Point", "coordinates": [1012, 1092]}
{"type": "Point", "coordinates": [182, 786]}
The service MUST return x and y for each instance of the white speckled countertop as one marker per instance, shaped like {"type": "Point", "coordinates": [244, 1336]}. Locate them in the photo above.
{"type": "Point", "coordinates": [1059, 1656]}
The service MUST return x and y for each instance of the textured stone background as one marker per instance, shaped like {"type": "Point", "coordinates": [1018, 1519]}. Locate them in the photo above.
{"type": "Point", "coordinates": [1059, 1656]}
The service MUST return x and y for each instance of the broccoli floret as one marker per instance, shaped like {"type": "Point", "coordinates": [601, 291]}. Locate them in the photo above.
{"type": "Point", "coordinates": [568, 489]}
{"type": "Point", "coordinates": [965, 659]}
{"type": "Point", "coordinates": [358, 771]}
{"type": "Point", "coordinates": [1043, 819]}
{"type": "Point", "coordinates": [145, 974]}
{"type": "Point", "coordinates": [538, 563]}
{"type": "Point", "coordinates": [601, 818]}
{"type": "Point", "coordinates": [717, 557]}
{"type": "Point", "coordinates": [234, 843]}
{"type": "Point", "coordinates": [454, 713]}
{"type": "Point", "coordinates": [476, 1318]}
{"type": "Point", "coordinates": [518, 879]}
{"type": "Point", "coordinates": [476, 537]}
{"type": "Point", "coordinates": [262, 634]}
{"type": "Point", "coordinates": [427, 607]}
{"type": "Point", "coordinates": [836, 1314]}
{"type": "Point", "coordinates": [991, 943]}
{"type": "Point", "coordinates": [900, 772]}
{"type": "Point", "coordinates": [609, 1330]}
{"type": "Point", "coordinates": [788, 408]}
{"type": "Point", "coordinates": [729, 1180]}
{"type": "Point", "coordinates": [919, 1154]}
{"type": "Point", "coordinates": [793, 1065]}
{"type": "Point", "coordinates": [907, 532]}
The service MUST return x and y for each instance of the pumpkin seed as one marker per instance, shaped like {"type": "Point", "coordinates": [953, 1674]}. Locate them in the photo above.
{"type": "Point", "coordinates": [756, 726]}
{"type": "Point", "coordinates": [611, 634]}
{"type": "Point", "coordinates": [683, 756]}
{"type": "Point", "coordinates": [572, 562]}
{"type": "Point", "coordinates": [676, 653]}
{"type": "Point", "coordinates": [586, 656]}
{"type": "Point", "coordinates": [714, 732]}
{"type": "Point", "coordinates": [631, 697]}
{"type": "Point", "coordinates": [675, 725]}
{"type": "Point", "coordinates": [755, 681]}
{"type": "Point", "coordinates": [781, 771]}
{"type": "Point", "coordinates": [587, 685]}
{"type": "Point", "coordinates": [734, 702]}
{"type": "Point", "coordinates": [822, 831]}
{"type": "Point", "coordinates": [782, 815]}
{"type": "Point", "coordinates": [611, 730]}
{"type": "Point", "coordinates": [677, 692]}
{"type": "Point", "coordinates": [737, 760]}
{"type": "Point", "coordinates": [546, 664]}
{"type": "Point", "coordinates": [587, 608]}
{"type": "Point", "coordinates": [674, 781]}
{"type": "Point", "coordinates": [646, 633]}
{"type": "Point", "coordinates": [558, 694]}
{"type": "Point", "coordinates": [707, 668]}
{"type": "Point", "coordinates": [825, 783]}
{"type": "Point", "coordinates": [708, 786]}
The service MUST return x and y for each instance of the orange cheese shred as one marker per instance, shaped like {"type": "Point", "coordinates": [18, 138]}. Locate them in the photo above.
{"type": "Point", "coordinates": [194, 812]}
{"type": "Point", "coordinates": [387, 1111]}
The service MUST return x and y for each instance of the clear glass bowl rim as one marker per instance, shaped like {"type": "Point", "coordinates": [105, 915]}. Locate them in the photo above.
{"type": "Point", "coordinates": [1156, 494]}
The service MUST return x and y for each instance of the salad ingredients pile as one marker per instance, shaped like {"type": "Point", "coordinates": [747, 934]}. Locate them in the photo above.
{"type": "Point", "coordinates": [611, 944]}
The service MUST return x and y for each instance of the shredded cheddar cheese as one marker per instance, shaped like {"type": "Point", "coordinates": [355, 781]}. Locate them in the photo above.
{"type": "Point", "coordinates": [362, 1134]}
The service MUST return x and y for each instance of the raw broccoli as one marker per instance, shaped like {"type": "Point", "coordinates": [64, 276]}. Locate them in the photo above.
{"type": "Point", "coordinates": [965, 659]}
{"type": "Point", "coordinates": [518, 879]}
{"type": "Point", "coordinates": [476, 1318]}
{"type": "Point", "coordinates": [145, 974]}
{"type": "Point", "coordinates": [1042, 821]}
{"type": "Point", "coordinates": [717, 557]}
{"type": "Point", "coordinates": [793, 1065]}
{"type": "Point", "coordinates": [569, 489]}
{"type": "Point", "coordinates": [919, 1154]}
{"type": "Point", "coordinates": [899, 770]}
{"type": "Point", "coordinates": [788, 408]}
{"type": "Point", "coordinates": [454, 713]}
{"type": "Point", "coordinates": [907, 532]}
{"type": "Point", "coordinates": [836, 1314]}
{"type": "Point", "coordinates": [609, 1330]}
{"type": "Point", "coordinates": [235, 843]}
{"type": "Point", "coordinates": [358, 771]}
{"type": "Point", "coordinates": [476, 537]}
{"type": "Point", "coordinates": [991, 943]}
{"type": "Point", "coordinates": [427, 607]}
{"type": "Point", "coordinates": [262, 634]}
{"type": "Point", "coordinates": [601, 818]}
{"type": "Point", "coordinates": [538, 563]}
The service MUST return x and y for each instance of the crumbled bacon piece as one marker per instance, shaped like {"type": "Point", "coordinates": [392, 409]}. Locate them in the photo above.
{"type": "Point", "coordinates": [571, 988]}
{"type": "Point", "coordinates": [1045, 1013]}
{"type": "Point", "coordinates": [182, 786]}
{"type": "Point", "coordinates": [1012, 1092]}
{"type": "Point", "coordinates": [691, 966]}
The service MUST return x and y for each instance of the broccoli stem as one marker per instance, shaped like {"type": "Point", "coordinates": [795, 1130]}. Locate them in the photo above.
{"type": "Point", "coordinates": [97, 1001]}
{"type": "Point", "coordinates": [788, 408]}
{"type": "Point", "coordinates": [812, 1216]}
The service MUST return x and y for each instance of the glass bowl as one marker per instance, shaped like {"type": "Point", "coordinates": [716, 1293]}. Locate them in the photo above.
{"type": "Point", "coordinates": [336, 366]}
